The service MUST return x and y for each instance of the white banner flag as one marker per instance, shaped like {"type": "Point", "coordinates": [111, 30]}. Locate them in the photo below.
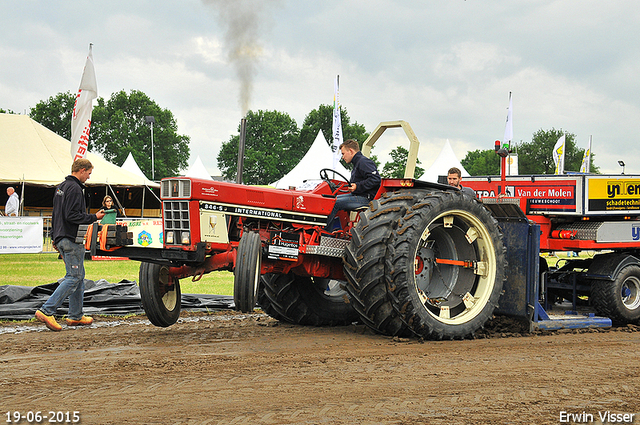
{"type": "Point", "coordinates": [508, 128]}
{"type": "Point", "coordinates": [586, 159]}
{"type": "Point", "coordinates": [558, 155]}
{"type": "Point", "coordinates": [337, 125]}
{"type": "Point", "coordinates": [81, 119]}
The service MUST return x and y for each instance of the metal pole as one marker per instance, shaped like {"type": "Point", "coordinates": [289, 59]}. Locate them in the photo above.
{"type": "Point", "coordinates": [150, 120]}
{"type": "Point", "coordinates": [243, 131]}
{"type": "Point", "coordinates": [153, 171]}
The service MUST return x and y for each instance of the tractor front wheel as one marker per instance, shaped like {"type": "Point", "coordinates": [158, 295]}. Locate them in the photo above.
{"type": "Point", "coordinates": [160, 294]}
{"type": "Point", "coordinates": [247, 272]}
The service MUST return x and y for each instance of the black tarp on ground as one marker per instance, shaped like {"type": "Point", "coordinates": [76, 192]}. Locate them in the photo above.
{"type": "Point", "coordinates": [101, 297]}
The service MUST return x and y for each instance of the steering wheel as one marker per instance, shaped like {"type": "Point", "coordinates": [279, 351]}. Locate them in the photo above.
{"type": "Point", "coordinates": [324, 175]}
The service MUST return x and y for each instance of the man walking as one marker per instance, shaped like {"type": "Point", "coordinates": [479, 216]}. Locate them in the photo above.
{"type": "Point", "coordinates": [69, 211]}
{"type": "Point", "coordinates": [13, 203]}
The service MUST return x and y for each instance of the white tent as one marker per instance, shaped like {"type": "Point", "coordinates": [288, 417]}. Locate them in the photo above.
{"type": "Point", "coordinates": [197, 170]}
{"type": "Point", "coordinates": [445, 160]}
{"type": "Point", "coordinates": [131, 165]}
{"type": "Point", "coordinates": [33, 154]}
{"type": "Point", "coordinates": [318, 156]}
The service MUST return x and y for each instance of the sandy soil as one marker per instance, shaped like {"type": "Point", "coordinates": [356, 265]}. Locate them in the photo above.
{"type": "Point", "coordinates": [227, 368]}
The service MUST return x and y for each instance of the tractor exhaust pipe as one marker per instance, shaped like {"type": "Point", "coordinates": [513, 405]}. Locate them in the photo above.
{"type": "Point", "coordinates": [243, 132]}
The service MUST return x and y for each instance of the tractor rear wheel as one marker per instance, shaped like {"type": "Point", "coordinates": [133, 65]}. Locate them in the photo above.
{"type": "Point", "coordinates": [307, 301]}
{"type": "Point", "coordinates": [446, 266]}
{"type": "Point", "coordinates": [247, 272]}
{"type": "Point", "coordinates": [364, 261]}
{"type": "Point", "coordinates": [160, 294]}
{"type": "Point", "coordinates": [269, 305]}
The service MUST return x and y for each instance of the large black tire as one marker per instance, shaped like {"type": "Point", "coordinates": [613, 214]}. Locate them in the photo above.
{"type": "Point", "coordinates": [304, 301]}
{"type": "Point", "coordinates": [247, 272]}
{"type": "Point", "coordinates": [364, 261]}
{"type": "Point", "coordinates": [618, 300]}
{"type": "Point", "coordinates": [267, 304]}
{"type": "Point", "coordinates": [446, 266]}
{"type": "Point", "coordinates": [160, 294]}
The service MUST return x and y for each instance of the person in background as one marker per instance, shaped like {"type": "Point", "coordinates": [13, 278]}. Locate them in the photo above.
{"type": "Point", "coordinates": [454, 178]}
{"type": "Point", "coordinates": [13, 203]}
{"type": "Point", "coordinates": [69, 211]}
{"type": "Point", "coordinates": [110, 212]}
{"type": "Point", "coordinates": [364, 182]}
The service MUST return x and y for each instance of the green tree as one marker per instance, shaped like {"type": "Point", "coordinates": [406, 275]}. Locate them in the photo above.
{"type": "Point", "coordinates": [536, 157]}
{"type": "Point", "coordinates": [321, 119]}
{"type": "Point", "coordinates": [482, 163]}
{"type": "Point", "coordinates": [395, 168]}
{"type": "Point", "coordinates": [271, 149]}
{"type": "Point", "coordinates": [55, 113]}
{"type": "Point", "coordinates": [6, 111]}
{"type": "Point", "coordinates": [119, 127]}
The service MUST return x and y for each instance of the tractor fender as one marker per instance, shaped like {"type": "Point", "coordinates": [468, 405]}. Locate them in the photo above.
{"type": "Point", "coordinates": [608, 266]}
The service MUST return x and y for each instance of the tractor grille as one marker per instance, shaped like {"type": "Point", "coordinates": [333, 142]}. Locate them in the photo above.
{"type": "Point", "coordinates": [176, 219]}
{"type": "Point", "coordinates": [175, 188]}
{"type": "Point", "coordinates": [329, 247]}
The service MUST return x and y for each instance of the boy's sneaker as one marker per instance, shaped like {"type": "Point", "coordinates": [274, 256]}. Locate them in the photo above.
{"type": "Point", "coordinates": [49, 321]}
{"type": "Point", "coordinates": [85, 321]}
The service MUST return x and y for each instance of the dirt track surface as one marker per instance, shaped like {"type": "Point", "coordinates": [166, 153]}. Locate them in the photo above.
{"type": "Point", "coordinates": [228, 368]}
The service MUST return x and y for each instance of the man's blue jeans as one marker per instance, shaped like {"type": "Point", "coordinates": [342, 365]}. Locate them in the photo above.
{"type": "Point", "coordinates": [72, 284]}
{"type": "Point", "coordinates": [346, 202]}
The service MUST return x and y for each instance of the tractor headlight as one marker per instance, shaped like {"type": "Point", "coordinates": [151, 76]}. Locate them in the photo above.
{"type": "Point", "coordinates": [186, 238]}
{"type": "Point", "coordinates": [170, 238]}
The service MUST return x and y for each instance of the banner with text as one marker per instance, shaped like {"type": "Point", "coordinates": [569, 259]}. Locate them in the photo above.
{"type": "Point", "coordinates": [20, 235]}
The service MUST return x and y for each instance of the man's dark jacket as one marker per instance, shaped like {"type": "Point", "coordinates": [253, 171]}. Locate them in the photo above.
{"type": "Point", "coordinates": [365, 175]}
{"type": "Point", "coordinates": [69, 210]}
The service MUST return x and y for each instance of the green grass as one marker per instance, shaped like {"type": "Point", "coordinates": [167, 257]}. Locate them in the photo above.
{"type": "Point", "coordinates": [40, 269]}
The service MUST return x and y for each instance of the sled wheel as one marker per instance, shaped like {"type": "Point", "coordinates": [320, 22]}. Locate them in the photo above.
{"type": "Point", "coordinates": [309, 301]}
{"type": "Point", "coordinates": [364, 261]}
{"type": "Point", "coordinates": [446, 266]}
{"type": "Point", "coordinates": [619, 300]}
{"type": "Point", "coordinates": [160, 294]}
{"type": "Point", "coordinates": [247, 272]}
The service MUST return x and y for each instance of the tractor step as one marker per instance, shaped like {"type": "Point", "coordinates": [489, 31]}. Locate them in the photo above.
{"type": "Point", "coordinates": [329, 247]}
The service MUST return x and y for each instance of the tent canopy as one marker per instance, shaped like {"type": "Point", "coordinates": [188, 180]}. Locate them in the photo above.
{"type": "Point", "coordinates": [41, 157]}
{"type": "Point", "coordinates": [440, 167]}
{"type": "Point", "coordinates": [318, 156]}
{"type": "Point", "coordinates": [197, 170]}
{"type": "Point", "coordinates": [131, 165]}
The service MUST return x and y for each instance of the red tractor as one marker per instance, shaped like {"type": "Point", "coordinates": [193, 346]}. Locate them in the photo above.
{"type": "Point", "coordinates": [422, 259]}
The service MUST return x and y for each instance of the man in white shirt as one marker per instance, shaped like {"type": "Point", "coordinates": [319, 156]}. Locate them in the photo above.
{"type": "Point", "coordinates": [13, 203]}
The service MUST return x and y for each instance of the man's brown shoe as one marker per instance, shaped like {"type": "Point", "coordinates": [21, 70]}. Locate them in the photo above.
{"type": "Point", "coordinates": [49, 321]}
{"type": "Point", "coordinates": [85, 321]}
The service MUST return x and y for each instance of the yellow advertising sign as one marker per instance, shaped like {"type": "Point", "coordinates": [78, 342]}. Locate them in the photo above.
{"type": "Point", "coordinates": [614, 194]}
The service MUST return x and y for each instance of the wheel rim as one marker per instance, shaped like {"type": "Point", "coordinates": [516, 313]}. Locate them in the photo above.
{"type": "Point", "coordinates": [455, 267]}
{"type": "Point", "coordinates": [631, 293]}
{"type": "Point", "coordinates": [256, 276]}
{"type": "Point", "coordinates": [167, 289]}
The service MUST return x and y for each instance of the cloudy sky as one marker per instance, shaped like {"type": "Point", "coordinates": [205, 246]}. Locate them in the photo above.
{"type": "Point", "coordinates": [446, 67]}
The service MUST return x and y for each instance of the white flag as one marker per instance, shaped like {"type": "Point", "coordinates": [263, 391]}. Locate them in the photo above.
{"type": "Point", "coordinates": [586, 159]}
{"type": "Point", "coordinates": [558, 155]}
{"type": "Point", "coordinates": [508, 128]}
{"type": "Point", "coordinates": [337, 125]}
{"type": "Point", "coordinates": [81, 119]}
